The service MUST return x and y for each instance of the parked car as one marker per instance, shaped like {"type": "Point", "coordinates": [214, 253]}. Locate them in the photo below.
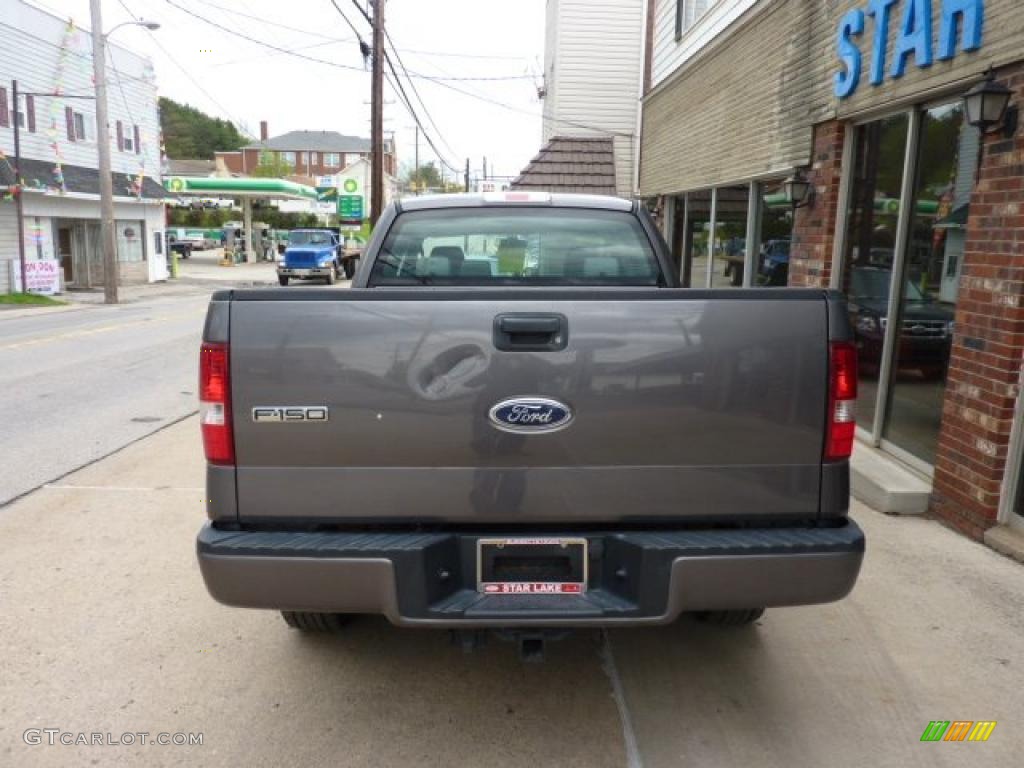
{"type": "Point", "coordinates": [583, 445]}
{"type": "Point", "coordinates": [194, 237]}
{"type": "Point", "coordinates": [312, 254]}
{"type": "Point", "coordinates": [180, 247]}
{"type": "Point", "coordinates": [774, 262]}
{"type": "Point", "coordinates": [926, 333]}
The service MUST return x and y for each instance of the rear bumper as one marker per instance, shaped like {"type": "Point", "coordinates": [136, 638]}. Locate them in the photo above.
{"type": "Point", "coordinates": [427, 579]}
{"type": "Point", "coordinates": [305, 271]}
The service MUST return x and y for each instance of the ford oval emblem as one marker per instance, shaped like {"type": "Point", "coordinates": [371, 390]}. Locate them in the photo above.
{"type": "Point", "coordinates": [530, 415]}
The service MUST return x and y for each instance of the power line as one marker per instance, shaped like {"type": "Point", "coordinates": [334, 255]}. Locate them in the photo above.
{"type": "Point", "coordinates": [400, 91]}
{"type": "Point", "coordinates": [184, 71]}
{"type": "Point", "coordinates": [262, 56]}
{"type": "Point", "coordinates": [349, 22]}
{"type": "Point", "coordinates": [261, 42]}
{"type": "Point", "coordinates": [314, 59]}
{"type": "Point", "coordinates": [271, 22]}
{"type": "Point", "coordinates": [416, 93]}
{"type": "Point", "coordinates": [443, 83]}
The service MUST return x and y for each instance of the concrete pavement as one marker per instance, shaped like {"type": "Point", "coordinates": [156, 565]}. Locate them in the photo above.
{"type": "Point", "coordinates": [106, 627]}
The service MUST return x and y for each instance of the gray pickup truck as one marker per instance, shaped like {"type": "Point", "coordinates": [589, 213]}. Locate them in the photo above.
{"type": "Point", "coordinates": [516, 419]}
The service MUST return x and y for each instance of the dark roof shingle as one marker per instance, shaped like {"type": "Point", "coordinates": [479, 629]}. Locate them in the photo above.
{"type": "Point", "coordinates": [39, 175]}
{"type": "Point", "coordinates": [571, 164]}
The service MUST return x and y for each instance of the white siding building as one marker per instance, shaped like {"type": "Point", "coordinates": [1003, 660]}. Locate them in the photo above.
{"type": "Point", "coordinates": [59, 180]}
{"type": "Point", "coordinates": [593, 70]}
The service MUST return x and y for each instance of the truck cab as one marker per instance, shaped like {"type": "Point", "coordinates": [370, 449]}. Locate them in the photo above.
{"type": "Point", "coordinates": [311, 254]}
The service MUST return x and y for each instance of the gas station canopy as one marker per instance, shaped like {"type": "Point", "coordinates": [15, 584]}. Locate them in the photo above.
{"type": "Point", "coordinates": [212, 186]}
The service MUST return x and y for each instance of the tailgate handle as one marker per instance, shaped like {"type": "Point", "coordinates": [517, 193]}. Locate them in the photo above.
{"type": "Point", "coordinates": [531, 332]}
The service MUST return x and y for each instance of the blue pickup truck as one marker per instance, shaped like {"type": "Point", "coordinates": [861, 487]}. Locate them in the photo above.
{"type": "Point", "coordinates": [312, 254]}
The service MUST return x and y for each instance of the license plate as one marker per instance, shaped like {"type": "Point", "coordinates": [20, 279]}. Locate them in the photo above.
{"type": "Point", "coordinates": [537, 566]}
{"type": "Point", "coordinates": [301, 272]}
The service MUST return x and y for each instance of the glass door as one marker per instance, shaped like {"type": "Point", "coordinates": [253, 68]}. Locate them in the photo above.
{"type": "Point", "coordinates": [870, 247]}
{"type": "Point", "coordinates": [901, 269]}
{"type": "Point", "coordinates": [947, 158]}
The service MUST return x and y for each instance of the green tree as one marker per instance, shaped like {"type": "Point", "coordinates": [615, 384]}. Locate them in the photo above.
{"type": "Point", "coordinates": [425, 177]}
{"type": "Point", "coordinates": [189, 133]}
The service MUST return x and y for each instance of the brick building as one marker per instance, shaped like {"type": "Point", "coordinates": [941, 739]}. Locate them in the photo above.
{"type": "Point", "coordinates": [310, 153]}
{"type": "Point", "coordinates": [868, 106]}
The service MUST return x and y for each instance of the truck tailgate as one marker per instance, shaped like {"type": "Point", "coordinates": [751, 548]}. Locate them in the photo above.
{"type": "Point", "coordinates": [687, 405]}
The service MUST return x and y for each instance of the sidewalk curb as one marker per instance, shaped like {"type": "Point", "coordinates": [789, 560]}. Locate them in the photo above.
{"type": "Point", "coordinates": [14, 499]}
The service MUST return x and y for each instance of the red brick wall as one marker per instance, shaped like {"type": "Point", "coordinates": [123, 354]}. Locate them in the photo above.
{"type": "Point", "coordinates": [814, 225]}
{"type": "Point", "coordinates": [988, 343]}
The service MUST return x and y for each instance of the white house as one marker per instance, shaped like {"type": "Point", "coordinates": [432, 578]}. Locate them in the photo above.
{"type": "Point", "coordinates": [593, 72]}
{"type": "Point", "coordinates": [50, 58]}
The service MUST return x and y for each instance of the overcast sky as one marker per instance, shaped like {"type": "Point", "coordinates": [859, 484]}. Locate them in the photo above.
{"type": "Point", "coordinates": [247, 82]}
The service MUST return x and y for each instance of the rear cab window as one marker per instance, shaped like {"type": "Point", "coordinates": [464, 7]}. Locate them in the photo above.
{"type": "Point", "coordinates": [496, 245]}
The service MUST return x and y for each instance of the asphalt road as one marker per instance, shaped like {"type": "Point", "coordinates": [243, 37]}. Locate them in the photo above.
{"type": "Point", "coordinates": [81, 383]}
{"type": "Point", "coordinates": [106, 628]}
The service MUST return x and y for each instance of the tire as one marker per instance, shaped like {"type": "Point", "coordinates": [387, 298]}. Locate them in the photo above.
{"type": "Point", "coordinates": [739, 618]}
{"type": "Point", "coordinates": [350, 268]}
{"type": "Point", "coordinates": [330, 277]}
{"type": "Point", "coordinates": [315, 622]}
{"type": "Point", "coordinates": [282, 280]}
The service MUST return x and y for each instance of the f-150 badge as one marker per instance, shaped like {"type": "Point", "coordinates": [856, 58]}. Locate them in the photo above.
{"type": "Point", "coordinates": [530, 415]}
{"type": "Point", "coordinates": [289, 413]}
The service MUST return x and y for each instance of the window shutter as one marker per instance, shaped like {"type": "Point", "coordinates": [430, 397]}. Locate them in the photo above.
{"type": "Point", "coordinates": [30, 112]}
{"type": "Point", "coordinates": [120, 137]}
{"type": "Point", "coordinates": [69, 118]}
{"type": "Point", "coordinates": [5, 120]}
{"type": "Point", "coordinates": [135, 136]}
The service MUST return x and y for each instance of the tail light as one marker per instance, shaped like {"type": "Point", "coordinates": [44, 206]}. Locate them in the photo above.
{"type": "Point", "coordinates": [215, 403]}
{"type": "Point", "coordinates": [842, 400]}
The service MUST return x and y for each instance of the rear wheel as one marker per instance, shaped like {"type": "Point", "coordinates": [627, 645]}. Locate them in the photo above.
{"type": "Point", "coordinates": [730, 618]}
{"type": "Point", "coordinates": [315, 622]}
{"type": "Point", "coordinates": [350, 268]}
{"type": "Point", "coordinates": [282, 280]}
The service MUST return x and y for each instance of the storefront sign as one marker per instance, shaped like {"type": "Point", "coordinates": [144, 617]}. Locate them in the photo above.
{"type": "Point", "coordinates": [914, 37]}
{"type": "Point", "coordinates": [42, 276]}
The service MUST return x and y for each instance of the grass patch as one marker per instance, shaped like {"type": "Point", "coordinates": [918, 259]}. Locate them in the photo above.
{"type": "Point", "coordinates": [29, 300]}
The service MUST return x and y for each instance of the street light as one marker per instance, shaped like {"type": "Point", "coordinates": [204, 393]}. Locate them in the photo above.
{"type": "Point", "coordinates": [987, 104]}
{"type": "Point", "coordinates": [99, 57]}
{"type": "Point", "coordinates": [797, 190]}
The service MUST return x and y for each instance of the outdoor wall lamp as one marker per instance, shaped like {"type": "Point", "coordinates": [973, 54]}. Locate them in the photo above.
{"type": "Point", "coordinates": [797, 190]}
{"type": "Point", "coordinates": [987, 106]}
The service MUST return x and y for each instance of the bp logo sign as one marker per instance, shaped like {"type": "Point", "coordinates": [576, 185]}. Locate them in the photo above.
{"type": "Point", "coordinates": [176, 184]}
{"type": "Point", "coordinates": [351, 186]}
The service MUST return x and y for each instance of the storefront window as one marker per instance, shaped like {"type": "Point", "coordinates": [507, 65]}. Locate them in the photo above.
{"type": "Point", "coordinates": [946, 163]}
{"type": "Point", "coordinates": [730, 237]}
{"type": "Point", "coordinates": [870, 244]}
{"type": "Point", "coordinates": [776, 237]}
{"type": "Point", "coordinates": [696, 239]}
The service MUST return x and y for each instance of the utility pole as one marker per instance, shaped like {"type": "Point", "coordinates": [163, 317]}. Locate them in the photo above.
{"type": "Point", "coordinates": [19, 211]}
{"type": "Point", "coordinates": [467, 174]}
{"type": "Point", "coordinates": [103, 146]}
{"type": "Point", "coordinates": [416, 178]}
{"type": "Point", "coordinates": [377, 115]}
{"type": "Point", "coordinates": [485, 167]}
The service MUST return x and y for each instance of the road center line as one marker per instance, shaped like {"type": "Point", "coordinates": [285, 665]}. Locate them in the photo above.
{"type": "Point", "coordinates": [98, 329]}
{"type": "Point", "coordinates": [633, 759]}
